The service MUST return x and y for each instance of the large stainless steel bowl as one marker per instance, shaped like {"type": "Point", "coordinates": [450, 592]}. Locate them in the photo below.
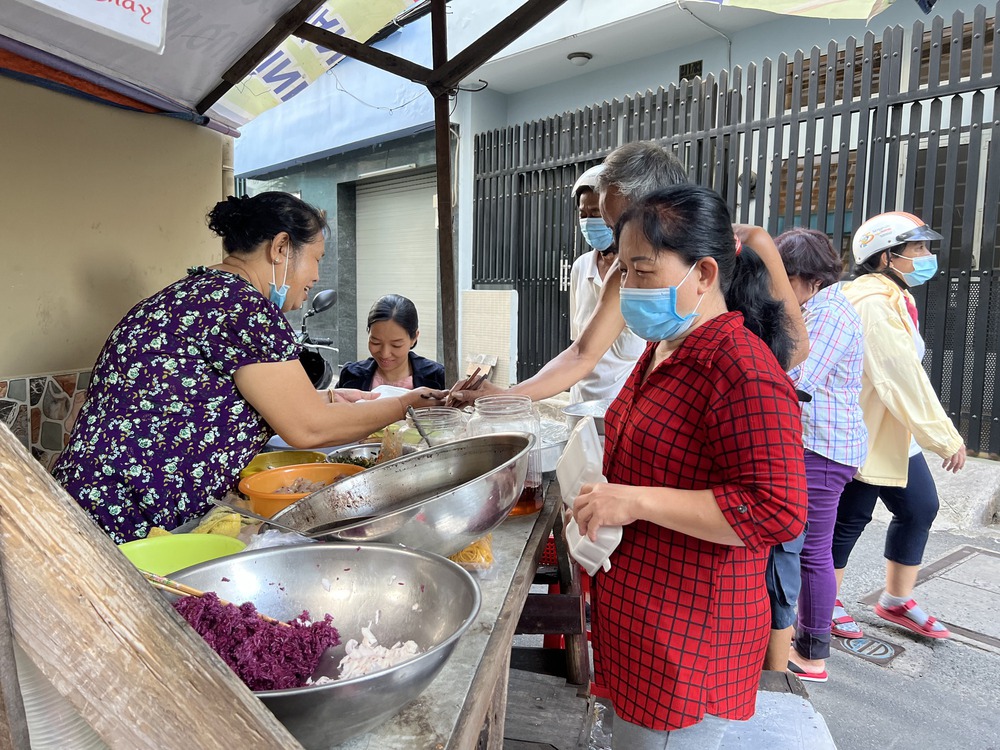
{"type": "Point", "coordinates": [596, 409]}
{"type": "Point", "coordinates": [413, 595]}
{"type": "Point", "coordinates": [440, 500]}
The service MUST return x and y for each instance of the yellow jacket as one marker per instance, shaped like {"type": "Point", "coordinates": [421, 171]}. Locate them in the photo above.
{"type": "Point", "coordinates": [897, 398]}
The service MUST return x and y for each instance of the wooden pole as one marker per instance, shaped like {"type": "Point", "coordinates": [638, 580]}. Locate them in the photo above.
{"type": "Point", "coordinates": [448, 73]}
{"type": "Point", "coordinates": [446, 236]}
{"type": "Point", "coordinates": [363, 53]}
{"type": "Point", "coordinates": [106, 640]}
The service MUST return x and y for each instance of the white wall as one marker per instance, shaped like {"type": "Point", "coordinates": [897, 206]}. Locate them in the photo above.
{"type": "Point", "coordinates": [749, 45]}
{"type": "Point", "coordinates": [100, 208]}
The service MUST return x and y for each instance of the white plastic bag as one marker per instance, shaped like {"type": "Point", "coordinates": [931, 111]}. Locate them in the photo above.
{"type": "Point", "coordinates": [276, 538]}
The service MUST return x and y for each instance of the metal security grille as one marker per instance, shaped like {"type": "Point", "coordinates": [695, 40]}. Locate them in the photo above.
{"type": "Point", "coordinates": [821, 139]}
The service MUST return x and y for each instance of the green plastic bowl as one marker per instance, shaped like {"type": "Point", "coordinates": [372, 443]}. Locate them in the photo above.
{"type": "Point", "coordinates": [164, 555]}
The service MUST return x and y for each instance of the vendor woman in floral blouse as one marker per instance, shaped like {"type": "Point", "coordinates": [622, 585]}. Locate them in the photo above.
{"type": "Point", "coordinates": [194, 380]}
{"type": "Point", "coordinates": [704, 463]}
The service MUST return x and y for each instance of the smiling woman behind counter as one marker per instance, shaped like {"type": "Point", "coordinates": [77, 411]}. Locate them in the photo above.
{"type": "Point", "coordinates": [195, 379]}
{"type": "Point", "coordinates": [393, 332]}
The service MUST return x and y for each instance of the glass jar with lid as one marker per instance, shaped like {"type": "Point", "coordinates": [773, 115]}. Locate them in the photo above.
{"type": "Point", "coordinates": [441, 424]}
{"type": "Point", "coordinates": [509, 413]}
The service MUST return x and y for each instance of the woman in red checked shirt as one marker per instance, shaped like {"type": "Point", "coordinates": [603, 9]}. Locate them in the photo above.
{"type": "Point", "coordinates": [705, 472]}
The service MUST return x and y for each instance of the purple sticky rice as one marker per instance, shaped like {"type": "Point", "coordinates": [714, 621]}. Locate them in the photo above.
{"type": "Point", "coordinates": [264, 655]}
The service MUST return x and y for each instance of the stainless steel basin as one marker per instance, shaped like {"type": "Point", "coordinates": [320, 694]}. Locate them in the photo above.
{"type": "Point", "coordinates": [413, 596]}
{"type": "Point", "coordinates": [439, 500]}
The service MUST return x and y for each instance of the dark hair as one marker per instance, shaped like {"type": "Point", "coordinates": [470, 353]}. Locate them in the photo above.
{"type": "Point", "coordinates": [396, 308]}
{"type": "Point", "coordinates": [871, 265]}
{"type": "Point", "coordinates": [580, 192]}
{"type": "Point", "coordinates": [694, 222]}
{"type": "Point", "coordinates": [809, 254]}
{"type": "Point", "coordinates": [243, 223]}
{"type": "Point", "coordinates": [639, 168]}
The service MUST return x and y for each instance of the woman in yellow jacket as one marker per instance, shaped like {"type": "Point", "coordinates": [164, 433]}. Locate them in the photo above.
{"type": "Point", "coordinates": [902, 414]}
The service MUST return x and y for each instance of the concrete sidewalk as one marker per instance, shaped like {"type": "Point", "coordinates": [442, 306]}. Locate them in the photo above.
{"type": "Point", "coordinates": [783, 721]}
{"type": "Point", "coordinates": [935, 694]}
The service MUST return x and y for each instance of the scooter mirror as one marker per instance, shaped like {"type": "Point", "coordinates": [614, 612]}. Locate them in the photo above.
{"type": "Point", "coordinates": [323, 301]}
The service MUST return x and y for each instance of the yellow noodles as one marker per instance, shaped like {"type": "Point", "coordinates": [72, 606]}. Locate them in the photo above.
{"type": "Point", "coordinates": [479, 554]}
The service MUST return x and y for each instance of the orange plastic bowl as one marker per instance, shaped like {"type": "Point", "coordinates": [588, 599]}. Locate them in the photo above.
{"type": "Point", "coordinates": [260, 487]}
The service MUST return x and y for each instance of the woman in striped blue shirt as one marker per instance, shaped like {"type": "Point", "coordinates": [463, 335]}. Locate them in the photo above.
{"type": "Point", "coordinates": [833, 430]}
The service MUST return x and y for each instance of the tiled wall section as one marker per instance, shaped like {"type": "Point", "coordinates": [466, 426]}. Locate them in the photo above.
{"type": "Point", "coordinates": [41, 410]}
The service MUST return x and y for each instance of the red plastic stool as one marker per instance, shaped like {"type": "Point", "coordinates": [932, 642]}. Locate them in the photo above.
{"type": "Point", "coordinates": [555, 640]}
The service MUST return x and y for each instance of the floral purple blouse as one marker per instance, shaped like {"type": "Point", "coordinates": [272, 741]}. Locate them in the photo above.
{"type": "Point", "coordinates": [164, 427]}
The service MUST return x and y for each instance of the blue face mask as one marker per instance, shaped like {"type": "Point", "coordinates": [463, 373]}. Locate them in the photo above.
{"type": "Point", "coordinates": [277, 294]}
{"type": "Point", "coordinates": [924, 269]}
{"type": "Point", "coordinates": [597, 234]}
{"type": "Point", "coordinates": [652, 314]}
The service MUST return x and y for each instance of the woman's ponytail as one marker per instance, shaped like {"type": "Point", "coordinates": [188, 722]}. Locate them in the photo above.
{"type": "Point", "coordinates": [750, 293]}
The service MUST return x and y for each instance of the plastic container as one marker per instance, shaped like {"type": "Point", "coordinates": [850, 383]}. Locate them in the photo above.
{"type": "Point", "coordinates": [442, 425]}
{"type": "Point", "coordinates": [277, 459]}
{"type": "Point", "coordinates": [164, 555]}
{"type": "Point", "coordinates": [261, 488]}
{"type": "Point", "coordinates": [581, 464]}
{"type": "Point", "coordinates": [507, 413]}
{"type": "Point", "coordinates": [389, 390]}
{"type": "Point", "coordinates": [593, 556]}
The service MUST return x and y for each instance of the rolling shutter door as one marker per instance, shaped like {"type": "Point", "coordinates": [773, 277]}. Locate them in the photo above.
{"type": "Point", "coordinates": [397, 253]}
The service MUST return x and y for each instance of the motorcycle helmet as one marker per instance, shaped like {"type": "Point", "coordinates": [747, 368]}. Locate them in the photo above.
{"type": "Point", "coordinates": [887, 231]}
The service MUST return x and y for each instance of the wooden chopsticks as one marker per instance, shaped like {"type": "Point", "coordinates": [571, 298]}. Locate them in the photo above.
{"type": "Point", "coordinates": [180, 589]}
{"type": "Point", "coordinates": [468, 384]}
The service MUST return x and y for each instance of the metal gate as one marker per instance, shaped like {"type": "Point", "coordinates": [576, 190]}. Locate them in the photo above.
{"type": "Point", "coordinates": [821, 139]}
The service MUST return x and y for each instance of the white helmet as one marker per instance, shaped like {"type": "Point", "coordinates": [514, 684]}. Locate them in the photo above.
{"type": "Point", "coordinates": [888, 230]}
{"type": "Point", "coordinates": [587, 180]}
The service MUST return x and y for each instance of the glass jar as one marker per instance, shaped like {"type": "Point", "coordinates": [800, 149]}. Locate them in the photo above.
{"type": "Point", "coordinates": [513, 414]}
{"type": "Point", "coordinates": [441, 424]}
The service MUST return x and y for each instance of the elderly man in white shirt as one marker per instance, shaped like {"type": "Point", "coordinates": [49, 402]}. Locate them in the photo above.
{"type": "Point", "coordinates": [586, 279]}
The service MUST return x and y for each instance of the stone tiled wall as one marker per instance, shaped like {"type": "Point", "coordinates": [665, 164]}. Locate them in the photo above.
{"type": "Point", "coordinates": [41, 410]}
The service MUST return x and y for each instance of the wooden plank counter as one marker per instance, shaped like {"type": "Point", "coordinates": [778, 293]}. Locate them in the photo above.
{"type": "Point", "coordinates": [463, 708]}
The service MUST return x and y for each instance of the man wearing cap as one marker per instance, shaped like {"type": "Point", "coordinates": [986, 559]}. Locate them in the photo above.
{"type": "Point", "coordinates": [587, 276]}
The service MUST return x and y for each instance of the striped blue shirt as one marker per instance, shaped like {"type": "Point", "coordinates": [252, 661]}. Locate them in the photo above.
{"type": "Point", "coordinates": [832, 423]}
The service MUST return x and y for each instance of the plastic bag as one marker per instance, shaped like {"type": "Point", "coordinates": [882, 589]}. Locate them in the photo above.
{"type": "Point", "coordinates": [477, 556]}
{"type": "Point", "coordinates": [276, 538]}
{"type": "Point", "coordinates": [392, 444]}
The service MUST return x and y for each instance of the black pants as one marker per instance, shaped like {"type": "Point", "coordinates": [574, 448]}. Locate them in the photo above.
{"type": "Point", "coordinates": [913, 507]}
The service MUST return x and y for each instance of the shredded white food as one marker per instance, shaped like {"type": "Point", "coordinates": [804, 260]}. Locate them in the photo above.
{"type": "Point", "coordinates": [326, 584]}
{"type": "Point", "coordinates": [368, 656]}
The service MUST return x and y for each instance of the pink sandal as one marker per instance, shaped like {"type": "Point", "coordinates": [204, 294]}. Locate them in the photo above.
{"type": "Point", "coordinates": [836, 622]}
{"type": "Point", "coordinates": [898, 616]}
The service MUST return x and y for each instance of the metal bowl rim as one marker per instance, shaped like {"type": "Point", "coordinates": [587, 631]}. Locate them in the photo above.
{"type": "Point", "coordinates": [573, 409]}
{"type": "Point", "coordinates": [477, 601]}
{"type": "Point", "coordinates": [411, 506]}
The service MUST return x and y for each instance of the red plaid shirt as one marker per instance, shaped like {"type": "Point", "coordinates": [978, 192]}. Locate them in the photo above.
{"type": "Point", "coordinates": [680, 625]}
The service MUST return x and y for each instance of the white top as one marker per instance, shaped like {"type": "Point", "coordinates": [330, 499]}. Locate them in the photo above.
{"type": "Point", "coordinates": [610, 374]}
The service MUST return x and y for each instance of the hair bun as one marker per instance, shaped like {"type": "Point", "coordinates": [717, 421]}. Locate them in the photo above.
{"type": "Point", "coordinates": [231, 216]}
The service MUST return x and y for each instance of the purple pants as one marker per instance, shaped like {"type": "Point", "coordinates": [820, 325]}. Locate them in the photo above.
{"type": "Point", "coordinates": [825, 480]}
